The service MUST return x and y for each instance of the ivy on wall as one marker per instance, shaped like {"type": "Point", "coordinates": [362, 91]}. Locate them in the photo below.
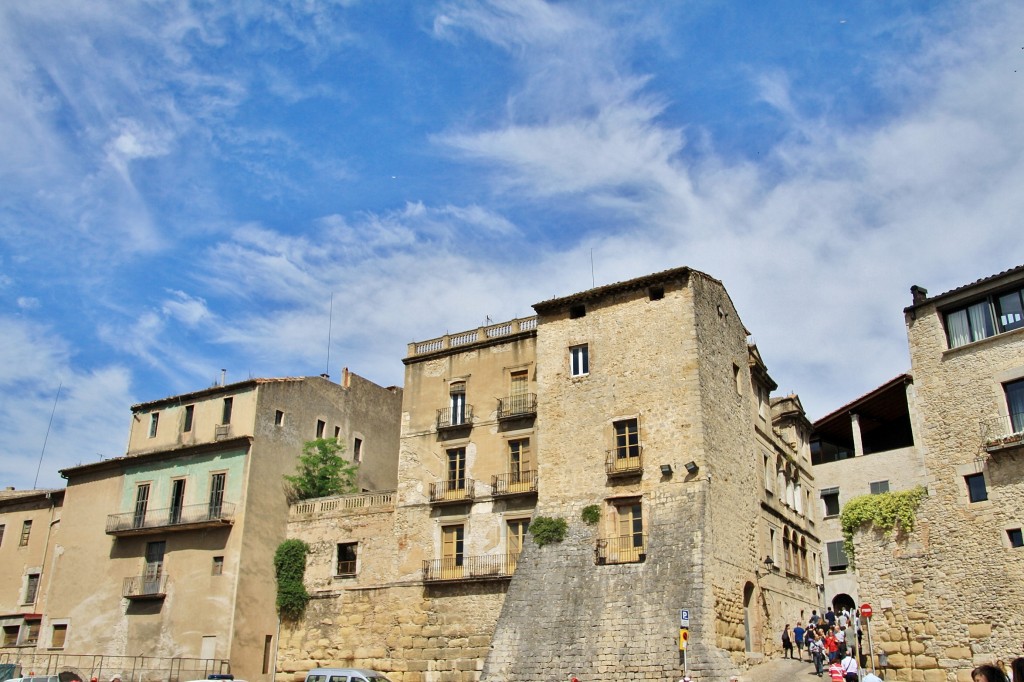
{"type": "Point", "coordinates": [290, 570]}
{"type": "Point", "coordinates": [887, 512]}
{"type": "Point", "coordinates": [546, 529]}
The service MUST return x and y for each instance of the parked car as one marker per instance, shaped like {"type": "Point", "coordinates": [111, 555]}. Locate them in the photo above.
{"type": "Point", "coordinates": [345, 675]}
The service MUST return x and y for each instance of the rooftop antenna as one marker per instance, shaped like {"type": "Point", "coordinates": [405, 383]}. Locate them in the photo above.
{"type": "Point", "coordinates": [593, 282]}
{"type": "Point", "coordinates": [47, 436]}
{"type": "Point", "coordinates": [330, 326]}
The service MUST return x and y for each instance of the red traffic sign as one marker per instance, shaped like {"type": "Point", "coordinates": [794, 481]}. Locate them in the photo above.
{"type": "Point", "coordinates": [865, 610]}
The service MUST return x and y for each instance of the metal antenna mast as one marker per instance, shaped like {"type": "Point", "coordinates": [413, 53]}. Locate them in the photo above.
{"type": "Point", "coordinates": [47, 436]}
{"type": "Point", "coordinates": [330, 326]}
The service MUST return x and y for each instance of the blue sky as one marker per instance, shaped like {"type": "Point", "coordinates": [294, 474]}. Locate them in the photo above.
{"type": "Point", "coordinates": [186, 184]}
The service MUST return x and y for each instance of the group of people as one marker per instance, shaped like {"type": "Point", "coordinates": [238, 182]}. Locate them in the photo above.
{"type": "Point", "coordinates": [831, 640]}
{"type": "Point", "coordinates": [996, 673]}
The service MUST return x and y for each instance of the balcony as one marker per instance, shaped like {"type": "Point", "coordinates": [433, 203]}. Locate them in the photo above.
{"type": "Point", "coordinates": [143, 587]}
{"type": "Point", "coordinates": [625, 461]}
{"type": "Point", "coordinates": [462, 568]}
{"type": "Point", "coordinates": [621, 549]}
{"type": "Point", "coordinates": [454, 491]}
{"type": "Point", "coordinates": [188, 517]}
{"type": "Point", "coordinates": [1002, 433]}
{"type": "Point", "coordinates": [519, 483]}
{"type": "Point", "coordinates": [516, 406]}
{"type": "Point", "coordinates": [459, 418]}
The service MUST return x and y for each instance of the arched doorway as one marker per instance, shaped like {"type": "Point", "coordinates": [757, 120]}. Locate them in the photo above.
{"type": "Point", "coordinates": [748, 615]}
{"type": "Point", "coordinates": [843, 601]}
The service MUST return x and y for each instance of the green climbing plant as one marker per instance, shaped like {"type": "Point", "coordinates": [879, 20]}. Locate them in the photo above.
{"type": "Point", "coordinates": [887, 512]}
{"type": "Point", "coordinates": [591, 514]}
{"type": "Point", "coordinates": [546, 529]}
{"type": "Point", "coordinates": [290, 570]}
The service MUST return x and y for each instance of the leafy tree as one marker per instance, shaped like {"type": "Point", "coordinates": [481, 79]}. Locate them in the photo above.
{"type": "Point", "coordinates": [321, 471]}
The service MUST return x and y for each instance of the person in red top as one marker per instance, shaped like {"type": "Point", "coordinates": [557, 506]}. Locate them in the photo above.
{"type": "Point", "coordinates": [835, 671]}
{"type": "Point", "coordinates": [831, 646]}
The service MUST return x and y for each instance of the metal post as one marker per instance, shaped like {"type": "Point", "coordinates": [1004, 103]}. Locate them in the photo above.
{"type": "Point", "coordinates": [871, 649]}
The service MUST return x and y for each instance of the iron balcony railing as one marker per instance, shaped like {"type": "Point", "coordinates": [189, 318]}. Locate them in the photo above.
{"type": "Point", "coordinates": [447, 418]}
{"type": "Point", "coordinates": [622, 549]}
{"type": "Point", "coordinates": [518, 483]}
{"type": "Point", "coordinates": [185, 515]}
{"type": "Point", "coordinates": [519, 405]}
{"type": "Point", "coordinates": [145, 587]}
{"type": "Point", "coordinates": [470, 567]}
{"type": "Point", "coordinates": [1002, 431]}
{"type": "Point", "coordinates": [456, 490]}
{"type": "Point", "coordinates": [624, 460]}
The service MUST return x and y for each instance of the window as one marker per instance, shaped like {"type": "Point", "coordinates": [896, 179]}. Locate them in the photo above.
{"type": "Point", "coordinates": [26, 531]}
{"type": "Point", "coordinates": [577, 311]}
{"type": "Point", "coordinates": [141, 504]}
{"type": "Point", "coordinates": [357, 450]}
{"type": "Point", "coordinates": [830, 498]}
{"type": "Point", "coordinates": [348, 552]}
{"type": "Point", "coordinates": [457, 469]}
{"type": "Point", "coordinates": [279, 418]}
{"type": "Point", "coordinates": [452, 540]}
{"type": "Point", "coordinates": [11, 635]}
{"type": "Point", "coordinates": [457, 402]}
{"type": "Point", "coordinates": [31, 588]}
{"type": "Point", "coordinates": [177, 500]}
{"type": "Point", "coordinates": [976, 490]}
{"type": "Point", "coordinates": [58, 635]}
{"type": "Point", "coordinates": [982, 319]}
{"type": "Point", "coordinates": [579, 360]}
{"type": "Point", "coordinates": [737, 378]}
{"type": "Point", "coordinates": [154, 567]}
{"type": "Point", "coordinates": [268, 650]}
{"type": "Point", "coordinates": [2, 528]}
{"type": "Point", "coordinates": [337, 432]}
{"type": "Point", "coordinates": [226, 414]}
{"type": "Point", "coordinates": [879, 487]}
{"type": "Point", "coordinates": [518, 459]}
{"type": "Point", "coordinates": [630, 530]}
{"type": "Point", "coordinates": [154, 421]}
{"type": "Point", "coordinates": [190, 411]}
{"type": "Point", "coordinates": [31, 632]}
{"type": "Point", "coordinates": [320, 426]}
{"type": "Point", "coordinates": [1016, 537]}
{"type": "Point", "coordinates": [627, 439]}
{"type": "Point", "coordinates": [515, 536]}
{"type": "Point", "coordinates": [1015, 404]}
{"type": "Point", "coordinates": [218, 566]}
{"type": "Point", "coordinates": [216, 506]}
{"type": "Point", "coordinates": [656, 293]}
{"type": "Point", "coordinates": [837, 559]}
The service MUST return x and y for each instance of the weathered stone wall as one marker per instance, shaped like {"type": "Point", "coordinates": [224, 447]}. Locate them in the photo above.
{"type": "Point", "coordinates": [948, 592]}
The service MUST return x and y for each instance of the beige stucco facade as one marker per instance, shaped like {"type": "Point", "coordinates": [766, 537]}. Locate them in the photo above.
{"type": "Point", "coordinates": [946, 593]}
{"type": "Point", "coordinates": [167, 551]}
{"type": "Point", "coordinates": [664, 423]}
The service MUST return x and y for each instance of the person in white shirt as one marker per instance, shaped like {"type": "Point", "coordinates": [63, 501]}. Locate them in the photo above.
{"type": "Point", "coordinates": [871, 677]}
{"type": "Point", "coordinates": [850, 668]}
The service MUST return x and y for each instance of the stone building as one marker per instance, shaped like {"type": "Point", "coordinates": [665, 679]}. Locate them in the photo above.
{"type": "Point", "coordinates": [29, 525]}
{"type": "Point", "coordinates": [166, 553]}
{"type": "Point", "coordinates": [945, 593]}
{"type": "Point", "coordinates": [653, 420]}
{"type": "Point", "coordinates": [866, 447]}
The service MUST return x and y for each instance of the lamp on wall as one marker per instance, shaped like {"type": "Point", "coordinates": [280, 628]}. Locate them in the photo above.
{"type": "Point", "coordinates": [769, 563]}
{"type": "Point", "coordinates": [666, 469]}
{"type": "Point", "coordinates": [691, 468]}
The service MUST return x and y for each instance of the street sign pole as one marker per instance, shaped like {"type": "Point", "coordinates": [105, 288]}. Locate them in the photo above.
{"type": "Point", "coordinates": [684, 635]}
{"type": "Point", "coordinates": [866, 613]}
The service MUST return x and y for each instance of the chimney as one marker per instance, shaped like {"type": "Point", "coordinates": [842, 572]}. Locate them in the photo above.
{"type": "Point", "coordinates": [920, 294]}
{"type": "Point", "coordinates": [223, 376]}
{"type": "Point", "coordinates": [346, 378]}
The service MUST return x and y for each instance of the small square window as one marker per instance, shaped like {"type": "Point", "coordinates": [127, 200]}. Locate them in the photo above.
{"type": "Point", "coordinates": [1016, 537]}
{"type": "Point", "coordinates": [154, 421]}
{"type": "Point", "coordinates": [279, 418]}
{"type": "Point", "coordinates": [830, 498]}
{"type": "Point", "coordinates": [320, 426]}
{"type": "Point", "coordinates": [879, 487]}
{"type": "Point", "coordinates": [218, 566]}
{"type": "Point", "coordinates": [577, 311]}
{"type": "Point", "coordinates": [656, 293]}
{"type": "Point", "coordinates": [976, 489]}
{"type": "Point", "coordinates": [579, 360]}
{"type": "Point", "coordinates": [11, 635]}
